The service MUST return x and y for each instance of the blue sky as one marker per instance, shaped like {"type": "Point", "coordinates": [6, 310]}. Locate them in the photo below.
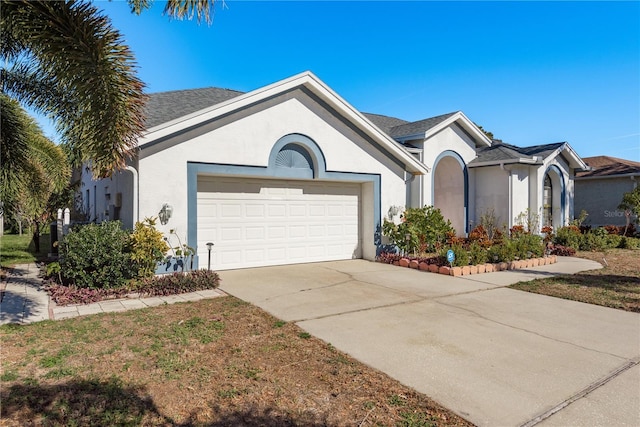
{"type": "Point", "coordinates": [530, 72]}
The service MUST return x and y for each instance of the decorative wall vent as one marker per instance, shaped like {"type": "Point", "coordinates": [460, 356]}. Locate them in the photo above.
{"type": "Point", "coordinates": [295, 157]}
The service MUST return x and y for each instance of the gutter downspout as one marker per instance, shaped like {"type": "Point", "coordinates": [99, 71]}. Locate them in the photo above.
{"type": "Point", "coordinates": [136, 183]}
{"type": "Point", "coordinates": [509, 172]}
{"type": "Point", "coordinates": [407, 183]}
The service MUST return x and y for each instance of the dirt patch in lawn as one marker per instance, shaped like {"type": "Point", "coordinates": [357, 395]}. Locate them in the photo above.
{"type": "Point", "coordinates": [218, 362]}
{"type": "Point", "coordinates": [616, 285]}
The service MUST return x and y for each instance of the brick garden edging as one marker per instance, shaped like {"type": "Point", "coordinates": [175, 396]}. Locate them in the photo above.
{"type": "Point", "coordinates": [476, 269]}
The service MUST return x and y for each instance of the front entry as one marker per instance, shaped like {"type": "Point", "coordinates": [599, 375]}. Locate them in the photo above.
{"type": "Point", "coordinates": [449, 192]}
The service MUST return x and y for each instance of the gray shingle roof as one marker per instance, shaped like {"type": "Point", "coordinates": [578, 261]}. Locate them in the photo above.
{"type": "Point", "coordinates": [163, 107]}
{"type": "Point", "coordinates": [385, 123]}
{"type": "Point", "coordinates": [418, 127]}
{"type": "Point", "coordinates": [501, 151]}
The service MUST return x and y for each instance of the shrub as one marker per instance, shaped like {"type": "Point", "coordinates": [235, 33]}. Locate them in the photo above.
{"type": "Point", "coordinates": [461, 255]}
{"type": "Point", "coordinates": [177, 283]}
{"type": "Point", "coordinates": [489, 222]}
{"type": "Point", "coordinates": [388, 257]}
{"type": "Point", "coordinates": [504, 252]}
{"type": "Point", "coordinates": [630, 243]}
{"type": "Point", "coordinates": [477, 253]}
{"type": "Point", "coordinates": [527, 245]}
{"type": "Point", "coordinates": [480, 235]}
{"type": "Point", "coordinates": [594, 240]}
{"type": "Point", "coordinates": [562, 250]}
{"type": "Point", "coordinates": [425, 227]}
{"type": "Point", "coordinates": [96, 256]}
{"type": "Point", "coordinates": [614, 240]}
{"type": "Point", "coordinates": [65, 295]}
{"type": "Point", "coordinates": [568, 236]}
{"type": "Point", "coordinates": [148, 247]}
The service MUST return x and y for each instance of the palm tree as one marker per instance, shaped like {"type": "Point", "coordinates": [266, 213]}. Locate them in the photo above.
{"type": "Point", "coordinates": [34, 170]}
{"type": "Point", "coordinates": [66, 61]}
{"type": "Point", "coordinates": [180, 9]}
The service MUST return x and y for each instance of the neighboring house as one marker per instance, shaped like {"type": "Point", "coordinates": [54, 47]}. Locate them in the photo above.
{"type": "Point", "coordinates": [600, 190]}
{"type": "Point", "coordinates": [292, 173]}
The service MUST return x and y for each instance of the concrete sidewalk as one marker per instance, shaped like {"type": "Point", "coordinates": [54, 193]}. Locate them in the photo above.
{"type": "Point", "coordinates": [23, 300]}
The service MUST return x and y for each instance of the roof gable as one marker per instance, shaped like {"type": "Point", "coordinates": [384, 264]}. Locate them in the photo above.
{"type": "Point", "coordinates": [424, 129]}
{"type": "Point", "coordinates": [500, 152]}
{"type": "Point", "coordinates": [419, 127]}
{"type": "Point", "coordinates": [232, 101]}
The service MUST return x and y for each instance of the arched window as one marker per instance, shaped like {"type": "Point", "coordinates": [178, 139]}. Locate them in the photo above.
{"type": "Point", "coordinates": [547, 202]}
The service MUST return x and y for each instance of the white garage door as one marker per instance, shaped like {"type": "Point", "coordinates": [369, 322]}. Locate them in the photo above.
{"type": "Point", "coordinates": [255, 222]}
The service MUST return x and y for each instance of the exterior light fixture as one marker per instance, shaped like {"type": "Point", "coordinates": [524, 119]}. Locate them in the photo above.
{"type": "Point", "coordinates": [165, 213]}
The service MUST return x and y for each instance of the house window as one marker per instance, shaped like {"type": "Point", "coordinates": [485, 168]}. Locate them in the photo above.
{"type": "Point", "coordinates": [547, 202]}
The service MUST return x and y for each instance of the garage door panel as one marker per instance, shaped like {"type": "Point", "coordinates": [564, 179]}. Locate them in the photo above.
{"type": "Point", "coordinates": [272, 222]}
{"type": "Point", "coordinates": [254, 211]}
{"type": "Point", "coordinates": [254, 233]}
{"type": "Point", "coordinates": [298, 210]}
{"type": "Point", "coordinates": [231, 234]}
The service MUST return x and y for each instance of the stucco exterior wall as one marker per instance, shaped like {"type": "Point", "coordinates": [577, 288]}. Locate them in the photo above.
{"type": "Point", "coordinates": [600, 198]}
{"type": "Point", "coordinates": [249, 141]}
{"type": "Point", "coordinates": [491, 192]}
{"type": "Point", "coordinates": [109, 198]}
{"type": "Point", "coordinates": [519, 191]}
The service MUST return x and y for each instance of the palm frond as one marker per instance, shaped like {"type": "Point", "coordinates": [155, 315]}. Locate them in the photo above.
{"type": "Point", "coordinates": [14, 146]}
{"type": "Point", "coordinates": [76, 69]}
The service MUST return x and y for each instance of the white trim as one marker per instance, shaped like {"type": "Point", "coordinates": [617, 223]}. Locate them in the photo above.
{"type": "Point", "coordinates": [312, 83]}
{"type": "Point", "coordinates": [465, 123]}
{"type": "Point", "coordinates": [521, 160]}
{"type": "Point", "coordinates": [573, 156]}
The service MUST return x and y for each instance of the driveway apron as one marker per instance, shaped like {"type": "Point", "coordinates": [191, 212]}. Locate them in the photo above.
{"type": "Point", "coordinates": [496, 356]}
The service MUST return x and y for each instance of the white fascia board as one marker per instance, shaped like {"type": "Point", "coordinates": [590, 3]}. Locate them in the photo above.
{"type": "Point", "coordinates": [475, 130]}
{"type": "Point", "coordinates": [311, 82]}
{"type": "Point", "coordinates": [343, 107]}
{"type": "Point", "coordinates": [465, 123]}
{"type": "Point", "coordinates": [521, 160]}
{"type": "Point", "coordinates": [575, 158]}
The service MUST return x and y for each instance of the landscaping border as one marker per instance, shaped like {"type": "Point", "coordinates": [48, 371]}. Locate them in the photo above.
{"type": "Point", "coordinates": [475, 269]}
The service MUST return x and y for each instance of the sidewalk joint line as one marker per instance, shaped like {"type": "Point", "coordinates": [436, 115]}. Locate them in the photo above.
{"type": "Point", "coordinates": [582, 393]}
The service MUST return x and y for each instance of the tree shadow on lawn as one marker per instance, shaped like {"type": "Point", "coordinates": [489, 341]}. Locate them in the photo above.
{"type": "Point", "coordinates": [82, 402]}
{"type": "Point", "coordinates": [107, 403]}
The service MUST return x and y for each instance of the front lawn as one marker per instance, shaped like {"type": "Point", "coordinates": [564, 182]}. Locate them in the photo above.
{"type": "Point", "coordinates": [16, 249]}
{"type": "Point", "coordinates": [616, 285]}
{"type": "Point", "coordinates": [213, 362]}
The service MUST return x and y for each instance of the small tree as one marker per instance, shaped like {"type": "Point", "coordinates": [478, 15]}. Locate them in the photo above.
{"type": "Point", "coordinates": [631, 205]}
{"type": "Point", "coordinates": [147, 247]}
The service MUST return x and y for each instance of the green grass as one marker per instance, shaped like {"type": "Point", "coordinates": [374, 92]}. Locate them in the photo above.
{"type": "Point", "coordinates": [15, 249]}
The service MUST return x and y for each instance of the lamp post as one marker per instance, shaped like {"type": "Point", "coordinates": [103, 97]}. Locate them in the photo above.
{"type": "Point", "coordinates": [209, 246]}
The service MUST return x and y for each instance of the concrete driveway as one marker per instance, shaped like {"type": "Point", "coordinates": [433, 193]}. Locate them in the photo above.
{"type": "Point", "coordinates": [496, 356]}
